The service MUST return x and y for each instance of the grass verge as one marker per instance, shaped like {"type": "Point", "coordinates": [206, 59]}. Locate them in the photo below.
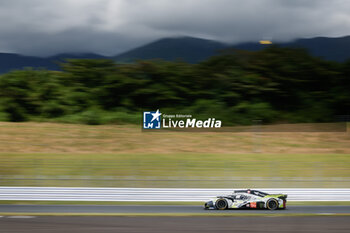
{"type": "Point", "coordinates": [177, 165]}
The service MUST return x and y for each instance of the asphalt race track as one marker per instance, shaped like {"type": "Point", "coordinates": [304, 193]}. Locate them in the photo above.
{"type": "Point", "coordinates": [22, 218]}
{"type": "Point", "coordinates": [106, 224]}
{"type": "Point", "coordinates": [164, 209]}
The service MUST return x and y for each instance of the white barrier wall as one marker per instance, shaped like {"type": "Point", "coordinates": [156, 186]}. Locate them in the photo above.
{"type": "Point", "coordinates": [156, 194]}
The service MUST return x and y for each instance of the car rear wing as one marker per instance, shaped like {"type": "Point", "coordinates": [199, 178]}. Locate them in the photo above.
{"type": "Point", "coordinates": [280, 196]}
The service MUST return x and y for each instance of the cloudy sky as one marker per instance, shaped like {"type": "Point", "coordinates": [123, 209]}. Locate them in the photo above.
{"type": "Point", "coordinates": [46, 27]}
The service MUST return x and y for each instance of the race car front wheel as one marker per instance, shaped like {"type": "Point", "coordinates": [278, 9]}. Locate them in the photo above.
{"type": "Point", "coordinates": [221, 204]}
{"type": "Point", "coordinates": [272, 204]}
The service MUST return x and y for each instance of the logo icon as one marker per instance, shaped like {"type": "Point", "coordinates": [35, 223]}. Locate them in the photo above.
{"type": "Point", "coordinates": [151, 120]}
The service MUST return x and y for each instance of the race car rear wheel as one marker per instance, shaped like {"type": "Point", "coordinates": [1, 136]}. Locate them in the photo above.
{"type": "Point", "coordinates": [272, 204]}
{"type": "Point", "coordinates": [221, 204]}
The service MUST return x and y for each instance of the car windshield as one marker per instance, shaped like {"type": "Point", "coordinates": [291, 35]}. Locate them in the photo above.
{"type": "Point", "coordinates": [259, 193]}
{"type": "Point", "coordinates": [255, 192]}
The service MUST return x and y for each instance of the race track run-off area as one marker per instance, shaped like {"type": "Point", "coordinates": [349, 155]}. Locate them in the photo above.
{"type": "Point", "coordinates": [160, 224]}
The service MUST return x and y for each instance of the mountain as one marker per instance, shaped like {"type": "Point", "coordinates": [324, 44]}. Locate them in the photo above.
{"type": "Point", "coordinates": [11, 61]}
{"type": "Point", "coordinates": [334, 49]}
{"type": "Point", "coordinates": [188, 49]}
{"type": "Point", "coordinates": [63, 56]}
{"type": "Point", "coordinates": [194, 49]}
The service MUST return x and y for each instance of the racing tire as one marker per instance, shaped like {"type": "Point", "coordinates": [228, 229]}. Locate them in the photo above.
{"type": "Point", "coordinates": [221, 204]}
{"type": "Point", "coordinates": [272, 204]}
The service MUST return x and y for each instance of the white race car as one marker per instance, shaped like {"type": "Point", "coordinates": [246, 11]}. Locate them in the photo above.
{"type": "Point", "coordinates": [248, 199]}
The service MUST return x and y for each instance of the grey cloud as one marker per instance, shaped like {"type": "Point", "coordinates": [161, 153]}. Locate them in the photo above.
{"type": "Point", "coordinates": [44, 27]}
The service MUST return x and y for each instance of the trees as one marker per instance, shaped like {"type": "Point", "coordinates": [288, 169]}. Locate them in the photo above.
{"type": "Point", "coordinates": [271, 85]}
{"type": "Point", "coordinates": [26, 93]}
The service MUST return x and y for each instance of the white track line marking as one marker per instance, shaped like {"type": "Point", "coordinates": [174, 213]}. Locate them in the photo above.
{"type": "Point", "coordinates": [21, 217]}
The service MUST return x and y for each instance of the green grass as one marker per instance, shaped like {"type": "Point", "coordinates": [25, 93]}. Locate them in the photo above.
{"type": "Point", "coordinates": [52, 154]}
{"type": "Point", "coordinates": [175, 170]}
{"type": "Point", "coordinates": [177, 165]}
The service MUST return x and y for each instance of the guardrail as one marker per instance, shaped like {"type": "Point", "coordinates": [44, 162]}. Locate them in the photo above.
{"type": "Point", "coordinates": [156, 194]}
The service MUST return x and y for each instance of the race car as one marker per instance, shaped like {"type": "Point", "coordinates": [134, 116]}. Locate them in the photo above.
{"type": "Point", "coordinates": [242, 199]}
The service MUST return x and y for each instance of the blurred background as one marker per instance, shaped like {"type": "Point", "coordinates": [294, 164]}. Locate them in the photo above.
{"type": "Point", "coordinates": [77, 75]}
{"type": "Point", "coordinates": [71, 100]}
